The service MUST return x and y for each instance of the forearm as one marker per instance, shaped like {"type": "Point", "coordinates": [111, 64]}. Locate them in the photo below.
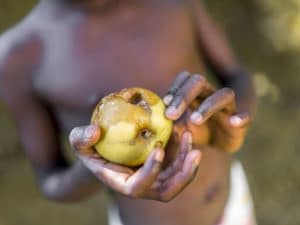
{"type": "Point", "coordinates": [221, 60]}
{"type": "Point", "coordinates": [69, 184]}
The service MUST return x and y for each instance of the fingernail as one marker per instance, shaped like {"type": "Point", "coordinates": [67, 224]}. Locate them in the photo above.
{"type": "Point", "coordinates": [168, 99]}
{"type": "Point", "coordinates": [171, 111]}
{"type": "Point", "coordinates": [159, 155]}
{"type": "Point", "coordinates": [197, 117]}
{"type": "Point", "coordinates": [89, 132]}
{"type": "Point", "coordinates": [235, 120]}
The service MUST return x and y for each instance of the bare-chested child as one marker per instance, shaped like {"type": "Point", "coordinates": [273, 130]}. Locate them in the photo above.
{"type": "Point", "coordinates": [67, 54]}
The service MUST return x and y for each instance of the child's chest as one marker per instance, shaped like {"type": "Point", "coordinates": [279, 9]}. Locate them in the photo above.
{"type": "Point", "coordinates": [88, 58]}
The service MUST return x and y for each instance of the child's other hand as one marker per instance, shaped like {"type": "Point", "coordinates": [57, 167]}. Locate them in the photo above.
{"type": "Point", "coordinates": [149, 181]}
{"type": "Point", "coordinates": [215, 107]}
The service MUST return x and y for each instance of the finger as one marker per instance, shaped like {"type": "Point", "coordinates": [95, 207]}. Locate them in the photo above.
{"type": "Point", "coordinates": [185, 95]}
{"type": "Point", "coordinates": [230, 137]}
{"type": "Point", "coordinates": [180, 180]}
{"type": "Point", "coordinates": [185, 147]}
{"type": "Point", "coordinates": [112, 175]}
{"type": "Point", "coordinates": [179, 81]}
{"type": "Point", "coordinates": [240, 120]}
{"type": "Point", "coordinates": [140, 181]}
{"type": "Point", "coordinates": [84, 137]}
{"type": "Point", "coordinates": [223, 99]}
{"type": "Point", "coordinates": [123, 179]}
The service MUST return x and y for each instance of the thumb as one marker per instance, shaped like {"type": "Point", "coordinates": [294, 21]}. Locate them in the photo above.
{"type": "Point", "coordinates": [84, 137]}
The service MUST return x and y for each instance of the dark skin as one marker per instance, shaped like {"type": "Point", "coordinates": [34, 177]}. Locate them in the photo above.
{"type": "Point", "coordinates": [58, 62]}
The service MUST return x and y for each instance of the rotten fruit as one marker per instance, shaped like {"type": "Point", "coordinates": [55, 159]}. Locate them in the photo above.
{"type": "Point", "coordinates": [132, 122]}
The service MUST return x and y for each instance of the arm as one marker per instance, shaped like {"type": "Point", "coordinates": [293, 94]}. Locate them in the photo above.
{"type": "Point", "coordinates": [227, 111]}
{"type": "Point", "coordinates": [57, 180]}
{"type": "Point", "coordinates": [222, 61]}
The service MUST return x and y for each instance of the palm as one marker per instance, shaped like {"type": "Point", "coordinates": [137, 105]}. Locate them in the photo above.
{"type": "Point", "coordinates": [156, 179]}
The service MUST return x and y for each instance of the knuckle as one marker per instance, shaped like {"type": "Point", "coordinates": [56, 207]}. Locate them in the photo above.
{"type": "Point", "coordinates": [179, 98]}
{"type": "Point", "coordinates": [173, 90]}
{"type": "Point", "coordinates": [198, 78]}
{"type": "Point", "coordinates": [180, 79]}
{"type": "Point", "coordinates": [182, 75]}
{"type": "Point", "coordinates": [180, 93]}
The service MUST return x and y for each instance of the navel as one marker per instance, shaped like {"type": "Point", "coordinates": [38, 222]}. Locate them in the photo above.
{"type": "Point", "coordinates": [212, 193]}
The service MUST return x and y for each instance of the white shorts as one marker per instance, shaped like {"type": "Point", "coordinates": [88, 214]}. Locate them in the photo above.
{"type": "Point", "coordinates": [239, 208]}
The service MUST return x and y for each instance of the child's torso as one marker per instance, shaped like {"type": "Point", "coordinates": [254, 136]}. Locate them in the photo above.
{"type": "Point", "coordinates": [87, 57]}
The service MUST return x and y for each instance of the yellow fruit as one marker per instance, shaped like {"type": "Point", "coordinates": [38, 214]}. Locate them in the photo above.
{"type": "Point", "coordinates": [132, 122]}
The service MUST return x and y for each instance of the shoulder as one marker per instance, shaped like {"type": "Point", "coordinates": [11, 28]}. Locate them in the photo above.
{"type": "Point", "coordinates": [20, 52]}
{"type": "Point", "coordinates": [19, 43]}
{"type": "Point", "coordinates": [22, 43]}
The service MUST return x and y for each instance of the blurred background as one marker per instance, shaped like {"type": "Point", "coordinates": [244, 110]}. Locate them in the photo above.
{"type": "Point", "coordinates": [265, 34]}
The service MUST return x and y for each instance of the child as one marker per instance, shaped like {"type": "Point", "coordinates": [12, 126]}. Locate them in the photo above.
{"type": "Point", "coordinates": [67, 54]}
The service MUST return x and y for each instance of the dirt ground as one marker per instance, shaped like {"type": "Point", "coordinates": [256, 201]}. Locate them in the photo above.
{"type": "Point", "coordinates": [269, 154]}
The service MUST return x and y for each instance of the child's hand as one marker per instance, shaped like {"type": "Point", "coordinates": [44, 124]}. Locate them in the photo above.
{"type": "Point", "coordinates": [148, 181]}
{"type": "Point", "coordinates": [218, 107]}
